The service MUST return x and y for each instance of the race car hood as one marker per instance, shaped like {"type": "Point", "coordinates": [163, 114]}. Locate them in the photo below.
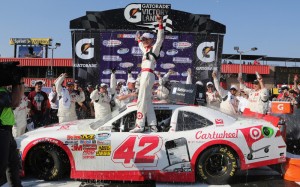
{"type": "Point", "coordinates": [72, 125]}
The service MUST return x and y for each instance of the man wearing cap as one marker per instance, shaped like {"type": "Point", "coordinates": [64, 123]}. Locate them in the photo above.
{"type": "Point", "coordinates": [163, 90]}
{"type": "Point", "coordinates": [39, 105]}
{"type": "Point", "coordinates": [67, 100]}
{"type": "Point", "coordinates": [229, 102]}
{"type": "Point", "coordinates": [258, 96]}
{"type": "Point", "coordinates": [81, 109]}
{"type": "Point", "coordinates": [127, 93]}
{"type": "Point", "coordinates": [150, 55]}
{"type": "Point", "coordinates": [200, 98]}
{"type": "Point", "coordinates": [212, 96]}
{"type": "Point", "coordinates": [101, 101]}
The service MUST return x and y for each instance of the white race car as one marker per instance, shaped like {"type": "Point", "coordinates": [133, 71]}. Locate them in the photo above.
{"type": "Point", "coordinates": [193, 142]}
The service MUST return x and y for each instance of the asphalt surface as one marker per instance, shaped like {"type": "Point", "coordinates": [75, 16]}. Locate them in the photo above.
{"type": "Point", "coordinates": [260, 177]}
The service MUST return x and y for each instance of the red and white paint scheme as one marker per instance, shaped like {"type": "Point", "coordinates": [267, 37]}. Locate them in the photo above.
{"type": "Point", "coordinates": [192, 141]}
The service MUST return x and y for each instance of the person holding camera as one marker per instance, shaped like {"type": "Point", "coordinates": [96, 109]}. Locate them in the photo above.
{"type": "Point", "coordinates": [101, 101]}
{"type": "Point", "coordinates": [9, 159]}
{"type": "Point", "coordinates": [39, 106]}
{"type": "Point", "coordinates": [67, 99]}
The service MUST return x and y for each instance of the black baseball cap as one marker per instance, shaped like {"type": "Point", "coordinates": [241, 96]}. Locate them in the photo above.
{"type": "Point", "coordinates": [70, 83]}
{"type": "Point", "coordinates": [255, 81]}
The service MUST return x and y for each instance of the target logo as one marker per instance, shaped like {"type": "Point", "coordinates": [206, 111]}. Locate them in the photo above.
{"type": "Point", "coordinates": [140, 115]}
{"type": "Point", "coordinates": [255, 133]}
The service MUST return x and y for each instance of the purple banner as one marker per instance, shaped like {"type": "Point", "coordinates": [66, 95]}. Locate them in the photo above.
{"type": "Point", "coordinates": [119, 50]}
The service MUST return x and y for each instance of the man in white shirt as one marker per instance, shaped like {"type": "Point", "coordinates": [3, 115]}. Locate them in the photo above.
{"type": "Point", "coordinates": [258, 96]}
{"type": "Point", "coordinates": [53, 98]}
{"type": "Point", "coordinates": [101, 101]}
{"type": "Point", "coordinates": [68, 98]}
{"type": "Point", "coordinates": [229, 102]}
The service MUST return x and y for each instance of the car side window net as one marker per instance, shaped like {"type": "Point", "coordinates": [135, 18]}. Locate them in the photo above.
{"type": "Point", "coordinates": [190, 121]}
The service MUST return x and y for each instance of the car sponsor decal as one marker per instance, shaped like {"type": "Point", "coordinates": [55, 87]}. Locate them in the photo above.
{"type": "Point", "coordinates": [122, 51]}
{"type": "Point", "coordinates": [138, 151]}
{"type": "Point", "coordinates": [140, 115]}
{"type": "Point", "coordinates": [87, 137]}
{"type": "Point", "coordinates": [89, 146]}
{"type": "Point", "coordinates": [45, 140]}
{"type": "Point", "coordinates": [216, 135]}
{"type": "Point", "coordinates": [87, 141]}
{"type": "Point", "coordinates": [219, 122]}
{"type": "Point", "coordinates": [88, 154]}
{"type": "Point", "coordinates": [76, 147]}
{"type": "Point", "coordinates": [111, 43]}
{"type": "Point", "coordinates": [252, 134]}
{"type": "Point", "coordinates": [103, 150]}
{"type": "Point", "coordinates": [102, 136]}
{"type": "Point", "coordinates": [73, 137]}
{"type": "Point", "coordinates": [71, 142]}
{"type": "Point", "coordinates": [64, 127]}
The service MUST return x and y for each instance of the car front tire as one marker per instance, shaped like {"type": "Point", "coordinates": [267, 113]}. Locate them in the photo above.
{"type": "Point", "coordinates": [216, 165]}
{"type": "Point", "coordinates": [48, 162]}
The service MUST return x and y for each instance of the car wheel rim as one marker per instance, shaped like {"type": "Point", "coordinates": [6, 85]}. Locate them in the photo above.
{"type": "Point", "coordinates": [216, 165]}
{"type": "Point", "coordinates": [44, 162]}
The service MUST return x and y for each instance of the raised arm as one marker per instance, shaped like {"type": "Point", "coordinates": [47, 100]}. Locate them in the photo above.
{"type": "Point", "coordinates": [220, 90]}
{"type": "Point", "coordinates": [160, 36]}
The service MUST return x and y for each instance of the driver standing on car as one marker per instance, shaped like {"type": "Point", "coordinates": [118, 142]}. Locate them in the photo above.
{"type": "Point", "coordinates": [150, 55]}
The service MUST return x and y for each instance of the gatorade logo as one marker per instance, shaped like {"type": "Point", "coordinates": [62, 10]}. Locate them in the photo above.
{"type": "Point", "coordinates": [280, 106]}
{"type": "Point", "coordinates": [85, 48]}
{"type": "Point", "coordinates": [132, 13]}
{"type": "Point", "coordinates": [206, 52]}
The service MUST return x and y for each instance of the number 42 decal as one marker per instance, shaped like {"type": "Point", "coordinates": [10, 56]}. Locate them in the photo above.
{"type": "Point", "coordinates": [138, 151]}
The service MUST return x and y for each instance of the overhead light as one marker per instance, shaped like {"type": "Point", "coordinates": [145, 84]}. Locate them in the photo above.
{"type": "Point", "coordinates": [253, 48]}
{"type": "Point", "coordinates": [57, 44]}
{"type": "Point", "coordinates": [236, 48]}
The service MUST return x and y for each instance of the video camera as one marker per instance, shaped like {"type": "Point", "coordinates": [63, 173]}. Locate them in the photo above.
{"type": "Point", "coordinates": [11, 73]}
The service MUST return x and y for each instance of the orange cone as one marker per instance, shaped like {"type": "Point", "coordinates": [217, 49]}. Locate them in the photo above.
{"type": "Point", "coordinates": [292, 170]}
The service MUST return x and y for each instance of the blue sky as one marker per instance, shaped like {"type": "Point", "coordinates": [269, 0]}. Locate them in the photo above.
{"type": "Point", "coordinates": [273, 26]}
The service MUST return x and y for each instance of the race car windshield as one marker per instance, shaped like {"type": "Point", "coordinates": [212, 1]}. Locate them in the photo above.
{"type": "Point", "coordinates": [101, 122]}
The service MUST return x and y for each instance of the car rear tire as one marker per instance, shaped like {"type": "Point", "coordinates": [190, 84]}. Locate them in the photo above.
{"type": "Point", "coordinates": [216, 165]}
{"type": "Point", "coordinates": [48, 162]}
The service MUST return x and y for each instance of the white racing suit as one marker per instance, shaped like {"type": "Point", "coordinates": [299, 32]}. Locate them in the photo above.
{"type": "Point", "coordinates": [101, 104]}
{"type": "Point", "coordinates": [258, 100]}
{"type": "Point", "coordinates": [20, 114]}
{"type": "Point", "coordinates": [144, 102]}
{"type": "Point", "coordinates": [66, 108]}
{"type": "Point", "coordinates": [229, 104]}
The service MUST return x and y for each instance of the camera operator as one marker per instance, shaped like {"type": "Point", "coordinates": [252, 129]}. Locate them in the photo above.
{"type": "Point", "coordinates": [9, 165]}
{"type": "Point", "coordinates": [101, 101]}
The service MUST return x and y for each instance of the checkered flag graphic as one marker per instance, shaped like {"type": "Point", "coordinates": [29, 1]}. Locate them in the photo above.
{"type": "Point", "coordinates": [167, 23]}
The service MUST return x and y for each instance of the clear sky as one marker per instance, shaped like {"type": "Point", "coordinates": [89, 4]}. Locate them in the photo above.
{"type": "Point", "coordinates": [273, 26]}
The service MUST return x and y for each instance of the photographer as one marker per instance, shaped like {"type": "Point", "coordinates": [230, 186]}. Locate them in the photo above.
{"type": "Point", "coordinates": [101, 101]}
{"type": "Point", "coordinates": [9, 157]}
